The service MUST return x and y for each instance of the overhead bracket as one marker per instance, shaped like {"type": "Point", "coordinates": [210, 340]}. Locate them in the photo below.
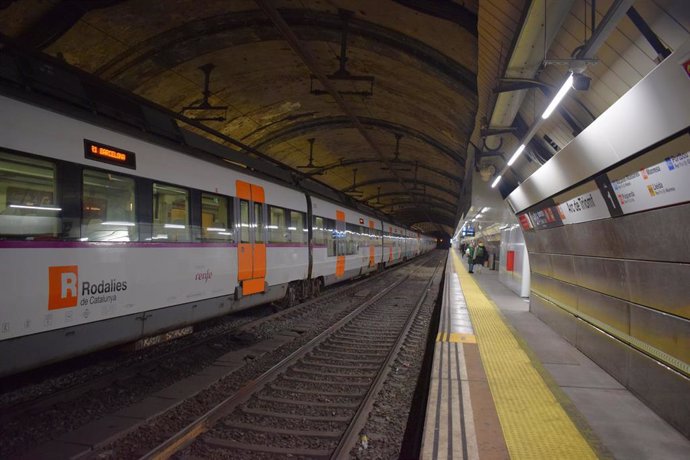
{"type": "Point", "coordinates": [204, 111]}
{"type": "Point", "coordinates": [311, 164]}
{"type": "Point", "coordinates": [396, 163]}
{"type": "Point", "coordinates": [354, 190]}
{"type": "Point", "coordinates": [495, 131]}
{"type": "Point", "coordinates": [416, 186]}
{"type": "Point", "coordinates": [365, 83]}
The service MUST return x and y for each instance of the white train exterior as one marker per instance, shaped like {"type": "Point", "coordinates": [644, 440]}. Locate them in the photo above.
{"type": "Point", "coordinates": [96, 253]}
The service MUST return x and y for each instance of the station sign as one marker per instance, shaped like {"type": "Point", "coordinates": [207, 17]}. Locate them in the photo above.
{"type": "Point", "coordinates": [658, 178]}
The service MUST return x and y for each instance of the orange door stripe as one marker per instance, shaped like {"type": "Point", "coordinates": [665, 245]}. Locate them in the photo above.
{"type": "Point", "coordinates": [340, 262]}
{"type": "Point", "coordinates": [340, 266]}
{"type": "Point", "coordinates": [257, 194]}
{"type": "Point", "coordinates": [259, 260]}
{"type": "Point", "coordinates": [244, 191]}
{"type": "Point", "coordinates": [372, 249]}
{"type": "Point", "coordinates": [251, 257]}
{"type": "Point", "coordinates": [244, 261]}
{"type": "Point", "coordinates": [253, 286]}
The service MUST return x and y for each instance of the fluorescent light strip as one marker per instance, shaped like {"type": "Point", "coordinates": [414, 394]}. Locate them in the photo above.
{"type": "Point", "coordinates": [40, 208]}
{"type": "Point", "coordinates": [173, 226]}
{"type": "Point", "coordinates": [517, 153]}
{"type": "Point", "coordinates": [559, 96]}
{"type": "Point", "coordinates": [216, 229]}
{"type": "Point", "coordinates": [498, 179]}
{"type": "Point", "coordinates": [123, 224]}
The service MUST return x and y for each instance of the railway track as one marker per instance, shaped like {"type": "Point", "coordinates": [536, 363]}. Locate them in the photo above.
{"type": "Point", "coordinates": [128, 379]}
{"type": "Point", "coordinates": [119, 375]}
{"type": "Point", "coordinates": [314, 402]}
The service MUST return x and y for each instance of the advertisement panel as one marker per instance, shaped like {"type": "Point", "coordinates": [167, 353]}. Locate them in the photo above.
{"type": "Point", "coordinates": [662, 184]}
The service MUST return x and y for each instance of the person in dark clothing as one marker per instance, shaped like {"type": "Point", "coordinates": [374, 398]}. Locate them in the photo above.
{"type": "Point", "coordinates": [470, 257]}
{"type": "Point", "coordinates": [481, 255]}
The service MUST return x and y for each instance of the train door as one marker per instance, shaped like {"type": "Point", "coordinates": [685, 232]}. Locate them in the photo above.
{"type": "Point", "coordinates": [341, 243]}
{"type": "Point", "coordinates": [372, 245]}
{"type": "Point", "coordinates": [251, 248]}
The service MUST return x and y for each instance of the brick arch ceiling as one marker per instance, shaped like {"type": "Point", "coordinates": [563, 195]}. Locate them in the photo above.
{"type": "Point", "coordinates": [424, 62]}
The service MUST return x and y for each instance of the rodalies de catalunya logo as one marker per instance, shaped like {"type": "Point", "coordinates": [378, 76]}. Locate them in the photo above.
{"type": "Point", "coordinates": [63, 288]}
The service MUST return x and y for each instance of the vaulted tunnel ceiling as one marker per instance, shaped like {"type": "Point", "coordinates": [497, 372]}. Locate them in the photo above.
{"type": "Point", "coordinates": [449, 76]}
{"type": "Point", "coordinates": [409, 140]}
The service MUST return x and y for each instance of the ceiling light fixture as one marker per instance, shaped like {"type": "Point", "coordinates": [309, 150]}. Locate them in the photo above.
{"type": "Point", "coordinates": [516, 154]}
{"type": "Point", "coordinates": [549, 110]}
{"type": "Point", "coordinates": [559, 97]}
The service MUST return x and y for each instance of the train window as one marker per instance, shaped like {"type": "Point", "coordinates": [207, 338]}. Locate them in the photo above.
{"type": "Point", "coordinates": [108, 212]}
{"type": "Point", "coordinates": [244, 221]}
{"type": "Point", "coordinates": [277, 227]}
{"type": "Point", "coordinates": [28, 207]}
{"type": "Point", "coordinates": [352, 239]}
{"type": "Point", "coordinates": [170, 213]}
{"type": "Point", "coordinates": [318, 231]}
{"type": "Point", "coordinates": [259, 222]}
{"type": "Point", "coordinates": [297, 228]}
{"type": "Point", "coordinates": [330, 234]}
{"type": "Point", "coordinates": [215, 224]}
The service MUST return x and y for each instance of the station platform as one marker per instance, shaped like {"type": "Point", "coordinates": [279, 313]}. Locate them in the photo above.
{"type": "Point", "coordinates": [504, 385]}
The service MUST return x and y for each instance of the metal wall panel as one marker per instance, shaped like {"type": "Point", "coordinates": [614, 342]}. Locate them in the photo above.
{"type": "Point", "coordinates": [565, 293]}
{"type": "Point", "coordinates": [659, 285]}
{"type": "Point", "coordinates": [626, 237]}
{"type": "Point", "coordinates": [563, 267]}
{"type": "Point", "coordinates": [662, 331]}
{"type": "Point", "coordinates": [533, 242]}
{"type": "Point", "coordinates": [558, 319]}
{"type": "Point", "coordinates": [665, 391]}
{"type": "Point", "coordinates": [540, 263]}
{"type": "Point", "coordinates": [610, 310]}
{"type": "Point", "coordinates": [604, 275]}
{"type": "Point", "coordinates": [659, 234]}
{"type": "Point", "coordinates": [541, 284]}
{"type": "Point", "coordinates": [598, 238]}
{"type": "Point", "coordinates": [610, 354]}
{"type": "Point", "coordinates": [555, 241]}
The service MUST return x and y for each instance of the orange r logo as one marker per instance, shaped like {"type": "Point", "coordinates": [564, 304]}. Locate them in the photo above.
{"type": "Point", "coordinates": [62, 286]}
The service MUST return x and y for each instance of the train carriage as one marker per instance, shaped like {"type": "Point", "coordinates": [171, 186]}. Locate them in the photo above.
{"type": "Point", "coordinates": [107, 238]}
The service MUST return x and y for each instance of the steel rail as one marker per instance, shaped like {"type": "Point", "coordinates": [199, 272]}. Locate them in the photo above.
{"type": "Point", "coordinates": [40, 403]}
{"type": "Point", "coordinates": [350, 437]}
{"type": "Point", "coordinates": [202, 424]}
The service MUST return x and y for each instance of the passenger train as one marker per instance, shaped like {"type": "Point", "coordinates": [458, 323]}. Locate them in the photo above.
{"type": "Point", "coordinates": [107, 238]}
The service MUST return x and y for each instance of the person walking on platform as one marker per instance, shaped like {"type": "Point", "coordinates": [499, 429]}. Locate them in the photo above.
{"type": "Point", "coordinates": [480, 256]}
{"type": "Point", "coordinates": [470, 257]}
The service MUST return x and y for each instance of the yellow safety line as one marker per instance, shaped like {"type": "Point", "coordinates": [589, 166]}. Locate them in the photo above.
{"type": "Point", "coordinates": [534, 424]}
{"type": "Point", "coordinates": [455, 337]}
